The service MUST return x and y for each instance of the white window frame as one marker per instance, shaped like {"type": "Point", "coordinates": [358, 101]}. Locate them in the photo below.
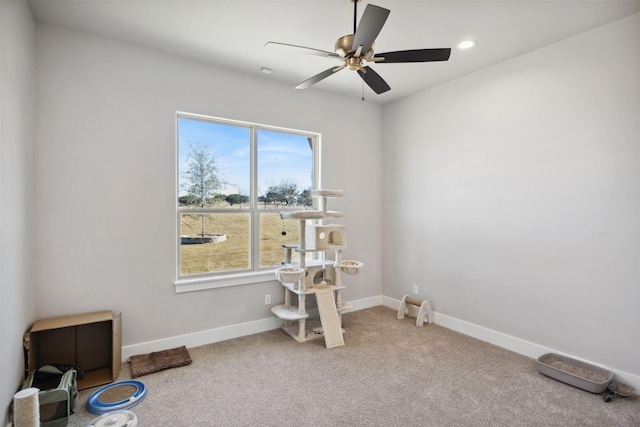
{"type": "Point", "coordinates": [202, 281]}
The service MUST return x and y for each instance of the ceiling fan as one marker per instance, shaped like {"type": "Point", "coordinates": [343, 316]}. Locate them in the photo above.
{"type": "Point", "coordinates": [357, 48]}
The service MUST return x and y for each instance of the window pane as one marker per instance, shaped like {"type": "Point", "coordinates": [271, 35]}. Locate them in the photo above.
{"type": "Point", "coordinates": [274, 233]}
{"type": "Point", "coordinates": [228, 172]}
{"type": "Point", "coordinates": [213, 164]}
{"type": "Point", "coordinates": [214, 242]}
{"type": "Point", "coordinates": [285, 169]}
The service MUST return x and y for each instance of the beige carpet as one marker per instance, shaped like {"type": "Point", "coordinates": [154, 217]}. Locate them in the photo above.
{"type": "Point", "coordinates": [389, 373]}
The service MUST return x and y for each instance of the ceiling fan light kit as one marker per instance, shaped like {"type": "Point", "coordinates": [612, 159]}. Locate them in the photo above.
{"type": "Point", "coordinates": [356, 49]}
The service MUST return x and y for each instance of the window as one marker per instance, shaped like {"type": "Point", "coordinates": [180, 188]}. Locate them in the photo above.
{"type": "Point", "coordinates": [233, 180]}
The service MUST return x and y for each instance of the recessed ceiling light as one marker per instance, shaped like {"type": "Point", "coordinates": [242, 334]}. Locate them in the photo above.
{"type": "Point", "coordinates": [266, 70]}
{"type": "Point", "coordinates": [466, 44]}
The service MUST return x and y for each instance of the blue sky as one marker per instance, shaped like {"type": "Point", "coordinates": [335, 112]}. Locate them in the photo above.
{"type": "Point", "coordinates": [281, 156]}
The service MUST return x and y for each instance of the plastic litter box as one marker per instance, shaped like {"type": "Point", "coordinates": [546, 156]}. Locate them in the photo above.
{"type": "Point", "coordinates": [575, 372]}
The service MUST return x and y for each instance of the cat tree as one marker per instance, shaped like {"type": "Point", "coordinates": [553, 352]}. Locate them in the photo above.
{"type": "Point", "coordinates": [320, 277]}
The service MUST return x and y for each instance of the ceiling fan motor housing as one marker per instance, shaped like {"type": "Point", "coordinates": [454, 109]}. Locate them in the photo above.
{"type": "Point", "coordinates": [344, 48]}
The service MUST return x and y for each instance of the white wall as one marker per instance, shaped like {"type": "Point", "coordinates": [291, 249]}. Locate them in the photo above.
{"type": "Point", "coordinates": [17, 63]}
{"type": "Point", "coordinates": [512, 197]}
{"type": "Point", "coordinates": [105, 162]}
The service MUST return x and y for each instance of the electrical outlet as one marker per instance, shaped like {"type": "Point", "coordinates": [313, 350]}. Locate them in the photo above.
{"type": "Point", "coordinates": [415, 289]}
{"type": "Point", "coordinates": [267, 299]}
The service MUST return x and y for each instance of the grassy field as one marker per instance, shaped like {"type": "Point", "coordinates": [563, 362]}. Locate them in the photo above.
{"type": "Point", "coordinates": [233, 254]}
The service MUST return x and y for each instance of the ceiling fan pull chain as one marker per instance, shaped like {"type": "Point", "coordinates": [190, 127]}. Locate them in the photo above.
{"type": "Point", "coordinates": [362, 90]}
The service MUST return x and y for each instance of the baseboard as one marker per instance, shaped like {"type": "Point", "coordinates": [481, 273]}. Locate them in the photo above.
{"type": "Point", "coordinates": [509, 342]}
{"type": "Point", "coordinates": [227, 332]}
{"type": "Point", "coordinates": [203, 337]}
{"type": "Point", "coordinates": [363, 303]}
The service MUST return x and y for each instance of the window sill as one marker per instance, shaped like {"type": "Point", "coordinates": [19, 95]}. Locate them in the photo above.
{"type": "Point", "coordinates": [203, 283]}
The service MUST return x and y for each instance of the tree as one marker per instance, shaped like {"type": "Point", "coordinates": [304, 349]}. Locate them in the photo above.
{"type": "Point", "coordinates": [217, 199]}
{"type": "Point", "coordinates": [236, 199]}
{"type": "Point", "coordinates": [285, 193]}
{"type": "Point", "coordinates": [305, 199]}
{"type": "Point", "coordinates": [288, 191]}
{"type": "Point", "coordinates": [203, 177]}
{"type": "Point", "coordinates": [187, 200]}
{"type": "Point", "coordinates": [271, 196]}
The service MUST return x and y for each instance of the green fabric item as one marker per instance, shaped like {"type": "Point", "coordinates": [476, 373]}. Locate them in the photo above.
{"type": "Point", "coordinates": [58, 393]}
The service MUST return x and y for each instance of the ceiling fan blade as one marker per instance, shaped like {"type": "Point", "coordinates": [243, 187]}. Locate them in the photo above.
{"type": "Point", "coordinates": [318, 77]}
{"type": "Point", "coordinates": [416, 55]}
{"type": "Point", "coordinates": [302, 49]}
{"type": "Point", "coordinates": [369, 27]}
{"type": "Point", "coordinates": [374, 80]}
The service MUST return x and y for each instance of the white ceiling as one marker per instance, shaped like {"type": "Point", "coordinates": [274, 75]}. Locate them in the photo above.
{"type": "Point", "coordinates": [232, 33]}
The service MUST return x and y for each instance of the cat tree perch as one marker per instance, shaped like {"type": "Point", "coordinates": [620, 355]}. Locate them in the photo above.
{"type": "Point", "coordinates": [319, 277]}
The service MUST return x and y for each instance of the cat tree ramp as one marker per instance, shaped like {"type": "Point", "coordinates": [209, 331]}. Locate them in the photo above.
{"type": "Point", "coordinates": [315, 275]}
